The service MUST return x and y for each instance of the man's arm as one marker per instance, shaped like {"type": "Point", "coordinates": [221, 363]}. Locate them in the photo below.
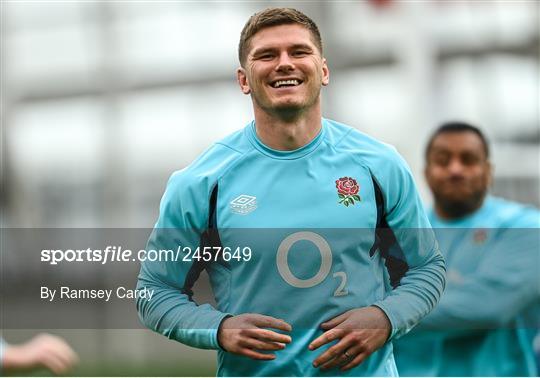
{"type": "Point", "coordinates": [42, 351]}
{"type": "Point", "coordinates": [504, 284]}
{"type": "Point", "coordinates": [171, 311]}
{"type": "Point", "coordinates": [411, 250]}
{"type": "Point", "coordinates": [409, 247]}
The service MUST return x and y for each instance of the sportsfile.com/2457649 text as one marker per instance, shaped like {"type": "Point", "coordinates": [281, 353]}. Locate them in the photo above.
{"type": "Point", "coordinates": [118, 254]}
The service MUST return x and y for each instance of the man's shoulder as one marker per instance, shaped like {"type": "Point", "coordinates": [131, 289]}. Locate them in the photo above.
{"type": "Point", "coordinates": [381, 158]}
{"type": "Point", "coordinates": [348, 138]}
{"type": "Point", "coordinates": [511, 214]}
{"type": "Point", "coordinates": [215, 161]}
{"type": "Point", "coordinates": [221, 154]}
{"type": "Point", "coordinates": [236, 141]}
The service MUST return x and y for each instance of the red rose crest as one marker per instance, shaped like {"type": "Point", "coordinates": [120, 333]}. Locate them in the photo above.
{"type": "Point", "coordinates": [347, 189]}
{"type": "Point", "coordinates": [480, 236]}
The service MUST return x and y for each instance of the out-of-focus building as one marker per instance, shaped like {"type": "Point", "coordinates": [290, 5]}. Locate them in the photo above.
{"type": "Point", "coordinates": [102, 101]}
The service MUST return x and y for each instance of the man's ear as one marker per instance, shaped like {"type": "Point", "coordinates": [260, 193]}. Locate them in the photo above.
{"type": "Point", "coordinates": [325, 72]}
{"type": "Point", "coordinates": [242, 79]}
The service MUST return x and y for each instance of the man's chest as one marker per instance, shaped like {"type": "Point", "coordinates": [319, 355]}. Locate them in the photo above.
{"type": "Point", "coordinates": [309, 193]}
{"type": "Point", "coordinates": [309, 226]}
{"type": "Point", "coordinates": [464, 249]}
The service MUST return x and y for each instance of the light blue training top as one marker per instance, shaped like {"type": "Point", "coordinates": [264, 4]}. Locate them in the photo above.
{"type": "Point", "coordinates": [332, 226]}
{"type": "Point", "coordinates": [487, 316]}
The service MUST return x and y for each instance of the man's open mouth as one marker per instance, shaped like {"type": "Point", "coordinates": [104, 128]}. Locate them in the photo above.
{"type": "Point", "coordinates": [286, 83]}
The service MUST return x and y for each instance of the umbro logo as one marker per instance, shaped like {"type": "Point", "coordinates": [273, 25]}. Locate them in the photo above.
{"type": "Point", "coordinates": [243, 204]}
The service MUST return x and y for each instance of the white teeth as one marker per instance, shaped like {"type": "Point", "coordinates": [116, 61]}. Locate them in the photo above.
{"type": "Point", "coordinates": [279, 83]}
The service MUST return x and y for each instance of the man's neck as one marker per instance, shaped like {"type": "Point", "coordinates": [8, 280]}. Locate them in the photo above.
{"type": "Point", "coordinates": [287, 134]}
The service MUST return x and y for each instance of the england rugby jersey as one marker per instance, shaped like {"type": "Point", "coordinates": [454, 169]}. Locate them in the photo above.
{"type": "Point", "coordinates": [300, 235]}
{"type": "Point", "coordinates": [488, 315]}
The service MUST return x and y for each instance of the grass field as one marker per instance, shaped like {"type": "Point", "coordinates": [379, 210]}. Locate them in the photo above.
{"type": "Point", "coordinates": [125, 368]}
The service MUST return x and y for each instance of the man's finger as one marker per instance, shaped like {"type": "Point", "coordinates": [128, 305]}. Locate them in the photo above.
{"type": "Point", "coordinates": [325, 338]}
{"type": "Point", "coordinates": [335, 351]}
{"type": "Point", "coordinates": [270, 322]}
{"type": "Point", "coordinates": [338, 361]}
{"type": "Point", "coordinates": [335, 321]}
{"type": "Point", "coordinates": [63, 359]}
{"type": "Point", "coordinates": [262, 345]}
{"type": "Point", "coordinates": [357, 360]}
{"type": "Point", "coordinates": [63, 352]}
{"type": "Point", "coordinates": [55, 346]}
{"type": "Point", "coordinates": [54, 364]}
{"type": "Point", "coordinates": [267, 335]}
{"type": "Point", "coordinates": [256, 355]}
{"type": "Point", "coordinates": [347, 356]}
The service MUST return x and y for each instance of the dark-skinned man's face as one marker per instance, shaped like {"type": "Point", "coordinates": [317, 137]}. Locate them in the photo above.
{"type": "Point", "coordinates": [458, 173]}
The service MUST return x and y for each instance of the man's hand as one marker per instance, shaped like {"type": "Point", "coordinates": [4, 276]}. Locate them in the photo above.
{"type": "Point", "coordinates": [361, 332]}
{"type": "Point", "coordinates": [43, 351]}
{"type": "Point", "coordinates": [245, 334]}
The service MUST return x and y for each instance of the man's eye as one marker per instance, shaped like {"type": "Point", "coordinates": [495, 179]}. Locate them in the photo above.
{"type": "Point", "coordinates": [300, 53]}
{"type": "Point", "coordinates": [266, 56]}
{"type": "Point", "coordinates": [442, 160]}
{"type": "Point", "coordinates": [469, 159]}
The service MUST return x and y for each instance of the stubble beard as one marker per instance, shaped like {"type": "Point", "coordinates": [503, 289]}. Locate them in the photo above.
{"type": "Point", "coordinates": [288, 111]}
{"type": "Point", "coordinates": [459, 208]}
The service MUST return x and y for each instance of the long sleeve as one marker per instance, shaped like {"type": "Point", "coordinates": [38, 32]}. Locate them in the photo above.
{"type": "Point", "coordinates": [171, 311]}
{"type": "Point", "coordinates": [411, 250]}
{"type": "Point", "coordinates": [507, 282]}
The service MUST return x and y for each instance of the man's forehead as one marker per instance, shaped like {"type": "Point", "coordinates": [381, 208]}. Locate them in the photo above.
{"type": "Point", "coordinates": [458, 141]}
{"type": "Point", "coordinates": [281, 35]}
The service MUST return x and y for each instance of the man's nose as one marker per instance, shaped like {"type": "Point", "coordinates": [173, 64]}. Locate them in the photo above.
{"type": "Point", "coordinates": [455, 167]}
{"type": "Point", "coordinates": [285, 62]}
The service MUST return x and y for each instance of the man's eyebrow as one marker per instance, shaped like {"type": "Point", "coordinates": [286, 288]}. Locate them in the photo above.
{"type": "Point", "coordinates": [261, 50]}
{"type": "Point", "coordinates": [439, 149]}
{"type": "Point", "coordinates": [266, 49]}
{"type": "Point", "coordinates": [302, 46]}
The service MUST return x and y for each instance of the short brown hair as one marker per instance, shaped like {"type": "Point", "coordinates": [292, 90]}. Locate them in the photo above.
{"type": "Point", "coordinates": [274, 17]}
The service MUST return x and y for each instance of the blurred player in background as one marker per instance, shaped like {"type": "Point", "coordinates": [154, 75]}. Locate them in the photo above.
{"type": "Point", "coordinates": [341, 198]}
{"type": "Point", "coordinates": [44, 351]}
{"type": "Point", "coordinates": [484, 323]}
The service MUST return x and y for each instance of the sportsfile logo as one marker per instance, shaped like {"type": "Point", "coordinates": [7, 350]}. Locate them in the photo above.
{"type": "Point", "coordinates": [243, 204]}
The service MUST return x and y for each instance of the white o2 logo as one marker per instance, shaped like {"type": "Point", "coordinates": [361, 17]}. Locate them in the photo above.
{"type": "Point", "coordinates": [326, 262]}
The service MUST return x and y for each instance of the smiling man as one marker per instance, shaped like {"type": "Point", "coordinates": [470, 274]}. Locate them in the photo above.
{"type": "Point", "coordinates": [337, 254]}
